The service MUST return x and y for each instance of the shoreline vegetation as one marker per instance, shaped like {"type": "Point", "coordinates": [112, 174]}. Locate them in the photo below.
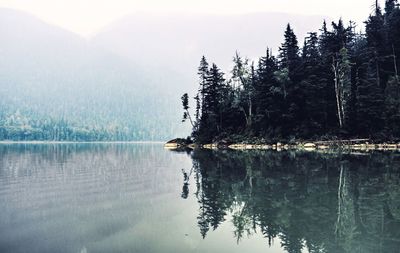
{"type": "Point", "coordinates": [80, 142]}
{"type": "Point", "coordinates": [353, 144]}
{"type": "Point", "coordinates": [340, 89]}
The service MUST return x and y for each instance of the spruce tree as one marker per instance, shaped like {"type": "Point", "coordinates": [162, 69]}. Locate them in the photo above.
{"type": "Point", "coordinates": [390, 6]}
{"type": "Point", "coordinates": [392, 24]}
{"type": "Point", "coordinates": [369, 103]}
{"type": "Point", "coordinates": [289, 52]}
{"type": "Point", "coordinates": [268, 96]}
{"type": "Point", "coordinates": [212, 110]}
{"type": "Point", "coordinates": [376, 40]}
{"type": "Point", "coordinates": [203, 72]}
{"type": "Point", "coordinates": [313, 114]}
{"type": "Point", "coordinates": [289, 78]}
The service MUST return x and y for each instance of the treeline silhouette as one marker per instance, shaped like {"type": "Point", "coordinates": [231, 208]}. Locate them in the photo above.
{"type": "Point", "coordinates": [340, 83]}
{"type": "Point", "coordinates": [91, 123]}
{"type": "Point", "coordinates": [319, 202]}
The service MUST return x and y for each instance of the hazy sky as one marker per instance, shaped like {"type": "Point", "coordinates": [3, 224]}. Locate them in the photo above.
{"type": "Point", "coordinates": [88, 16]}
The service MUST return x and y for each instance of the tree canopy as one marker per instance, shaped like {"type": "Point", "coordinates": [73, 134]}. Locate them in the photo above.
{"type": "Point", "coordinates": [339, 84]}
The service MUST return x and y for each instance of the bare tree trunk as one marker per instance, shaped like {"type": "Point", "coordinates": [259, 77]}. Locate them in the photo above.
{"type": "Point", "coordinates": [395, 65]}
{"type": "Point", "coordinates": [342, 98]}
{"type": "Point", "coordinates": [335, 67]}
{"type": "Point", "coordinates": [250, 112]}
{"type": "Point", "coordinates": [340, 190]}
{"type": "Point", "coordinates": [190, 118]}
{"type": "Point", "coordinates": [248, 116]}
{"type": "Point", "coordinates": [245, 116]}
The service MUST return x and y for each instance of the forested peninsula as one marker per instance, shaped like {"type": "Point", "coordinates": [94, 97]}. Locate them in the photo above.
{"type": "Point", "coordinates": [341, 84]}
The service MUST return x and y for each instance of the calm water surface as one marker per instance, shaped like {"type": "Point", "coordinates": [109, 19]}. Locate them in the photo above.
{"type": "Point", "coordinates": [84, 198]}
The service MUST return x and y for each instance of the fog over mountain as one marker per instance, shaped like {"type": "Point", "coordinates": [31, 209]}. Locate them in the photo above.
{"type": "Point", "coordinates": [179, 40]}
{"type": "Point", "coordinates": [125, 82]}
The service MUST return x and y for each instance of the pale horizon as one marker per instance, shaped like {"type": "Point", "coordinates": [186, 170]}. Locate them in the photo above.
{"type": "Point", "coordinates": [88, 17]}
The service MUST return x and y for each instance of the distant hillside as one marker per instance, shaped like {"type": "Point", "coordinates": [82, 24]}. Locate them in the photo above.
{"type": "Point", "coordinates": [179, 41]}
{"type": "Point", "coordinates": [124, 83]}
{"type": "Point", "coordinates": [51, 78]}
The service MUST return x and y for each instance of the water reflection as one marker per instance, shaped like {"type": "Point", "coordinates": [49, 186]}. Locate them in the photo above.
{"type": "Point", "coordinates": [305, 201]}
{"type": "Point", "coordinates": [73, 198]}
{"type": "Point", "coordinates": [88, 197]}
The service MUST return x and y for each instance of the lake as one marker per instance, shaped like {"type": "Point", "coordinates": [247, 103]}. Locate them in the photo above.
{"type": "Point", "coordinates": [85, 198]}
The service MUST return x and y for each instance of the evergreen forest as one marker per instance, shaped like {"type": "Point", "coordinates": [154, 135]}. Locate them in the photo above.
{"type": "Point", "coordinates": [338, 83]}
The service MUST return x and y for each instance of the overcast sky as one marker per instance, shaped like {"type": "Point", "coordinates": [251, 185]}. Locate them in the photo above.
{"type": "Point", "coordinates": [87, 16]}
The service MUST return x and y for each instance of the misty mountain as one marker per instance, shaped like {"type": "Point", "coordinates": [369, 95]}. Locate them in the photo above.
{"type": "Point", "coordinates": [51, 75]}
{"type": "Point", "coordinates": [179, 40]}
{"type": "Point", "coordinates": [126, 81]}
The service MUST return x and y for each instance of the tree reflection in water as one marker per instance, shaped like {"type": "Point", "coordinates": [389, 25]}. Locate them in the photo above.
{"type": "Point", "coordinates": [331, 202]}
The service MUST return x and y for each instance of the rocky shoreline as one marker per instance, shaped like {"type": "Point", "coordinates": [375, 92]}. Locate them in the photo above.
{"type": "Point", "coordinates": [355, 144]}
